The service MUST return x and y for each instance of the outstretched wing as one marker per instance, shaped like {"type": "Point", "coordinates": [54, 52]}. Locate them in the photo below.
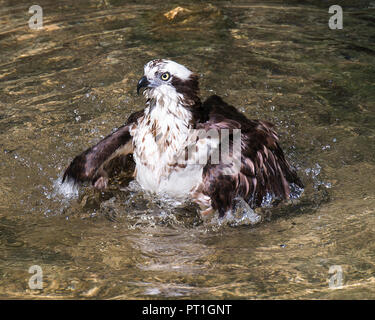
{"type": "Point", "coordinates": [90, 164]}
{"type": "Point", "coordinates": [263, 169]}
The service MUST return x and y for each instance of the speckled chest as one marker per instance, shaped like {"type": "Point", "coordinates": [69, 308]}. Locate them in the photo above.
{"type": "Point", "coordinates": [160, 139]}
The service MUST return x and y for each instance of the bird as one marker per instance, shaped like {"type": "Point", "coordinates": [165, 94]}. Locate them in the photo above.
{"type": "Point", "coordinates": [168, 145]}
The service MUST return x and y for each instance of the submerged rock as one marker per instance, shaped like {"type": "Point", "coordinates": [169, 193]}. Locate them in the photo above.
{"type": "Point", "coordinates": [197, 14]}
{"type": "Point", "coordinates": [170, 15]}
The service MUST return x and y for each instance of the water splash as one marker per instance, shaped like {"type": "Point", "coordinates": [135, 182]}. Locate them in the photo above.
{"type": "Point", "coordinates": [67, 189]}
{"type": "Point", "coordinates": [295, 191]}
{"type": "Point", "coordinates": [314, 172]}
{"type": "Point", "coordinates": [240, 215]}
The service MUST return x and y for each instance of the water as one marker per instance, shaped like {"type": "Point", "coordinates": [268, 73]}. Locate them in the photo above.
{"type": "Point", "coordinates": [68, 85]}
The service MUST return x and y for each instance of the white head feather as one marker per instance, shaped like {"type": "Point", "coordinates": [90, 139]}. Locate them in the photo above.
{"type": "Point", "coordinates": [155, 67]}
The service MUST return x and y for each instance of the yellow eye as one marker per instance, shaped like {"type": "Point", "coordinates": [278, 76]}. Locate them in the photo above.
{"type": "Point", "coordinates": [165, 76]}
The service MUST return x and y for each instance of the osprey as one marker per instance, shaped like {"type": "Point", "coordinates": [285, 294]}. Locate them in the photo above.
{"type": "Point", "coordinates": [169, 129]}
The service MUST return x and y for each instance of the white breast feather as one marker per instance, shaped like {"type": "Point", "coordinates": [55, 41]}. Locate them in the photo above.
{"type": "Point", "coordinates": [159, 138]}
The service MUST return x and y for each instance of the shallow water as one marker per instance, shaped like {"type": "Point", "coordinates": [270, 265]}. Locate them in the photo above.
{"type": "Point", "coordinates": [68, 85]}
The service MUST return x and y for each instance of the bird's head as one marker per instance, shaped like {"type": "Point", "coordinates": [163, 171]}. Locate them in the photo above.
{"type": "Point", "coordinates": [165, 80]}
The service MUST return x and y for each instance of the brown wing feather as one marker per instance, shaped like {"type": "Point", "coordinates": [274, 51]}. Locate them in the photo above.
{"type": "Point", "coordinates": [264, 169]}
{"type": "Point", "coordinates": [90, 164]}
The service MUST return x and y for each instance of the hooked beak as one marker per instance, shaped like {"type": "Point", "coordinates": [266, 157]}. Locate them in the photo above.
{"type": "Point", "coordinates": [142, 83]}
